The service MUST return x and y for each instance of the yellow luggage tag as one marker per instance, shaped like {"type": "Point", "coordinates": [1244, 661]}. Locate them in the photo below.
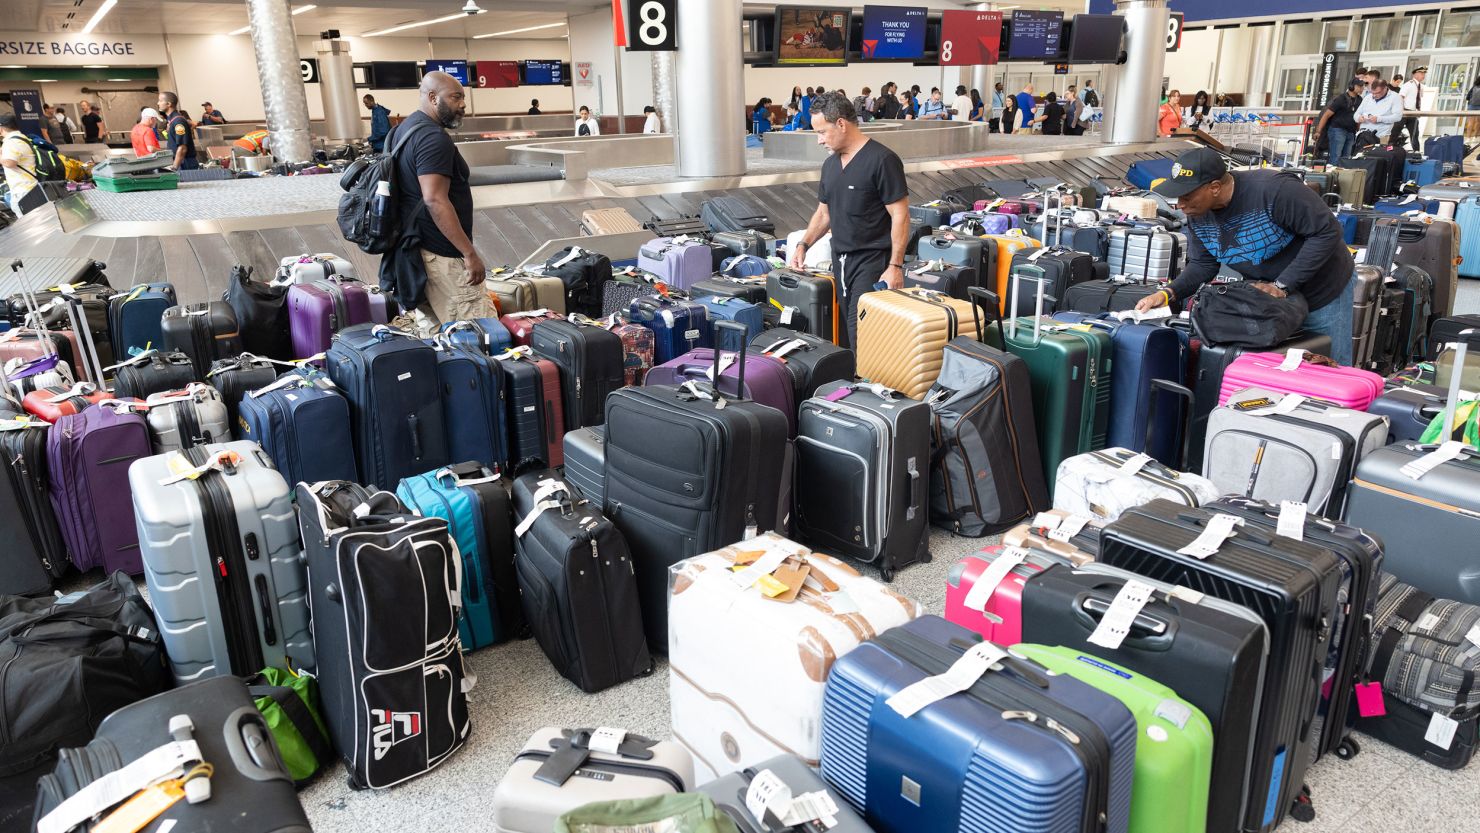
{"type": "Point", "coordinates": [149, 803]}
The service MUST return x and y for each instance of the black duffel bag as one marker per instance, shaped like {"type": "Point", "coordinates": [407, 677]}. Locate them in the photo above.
{"type": "Point", "coordinates": [1237, 314]}
{"type": "Point", "coordinates": [583, 272]}
{"type": "Point", "coordinates": [261, 314]}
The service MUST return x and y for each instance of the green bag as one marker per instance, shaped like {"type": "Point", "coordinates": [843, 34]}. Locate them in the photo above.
{"type": "Point", "coordinates": [678, 813]}
{"type": "Point", "coordinates": [1466, 426]}
{"type": "Point", "coordinates": [290, 704]}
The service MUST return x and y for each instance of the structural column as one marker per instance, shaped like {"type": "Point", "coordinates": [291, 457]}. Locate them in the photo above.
{"type": "Point", "coordinates": [283, 95]}
{"type": "Point", "coordinates": [981, 74]}
{"type": "Point", "coordinates": [663, 90]}
{"type": "Point", "coordinates": [1130, 115]}
{"type": "Point", "coordinates": [709, 75]}
{"type": "Point", "coordinates": [337, 84]}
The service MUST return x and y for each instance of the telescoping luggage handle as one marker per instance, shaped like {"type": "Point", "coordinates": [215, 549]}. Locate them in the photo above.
{"type": "Point", "coordinates": [1017, 274]}
{"type": "Point", "coordinates": [89, 364]}
{"type": "Point", "coordinates": [1180, 392]}
{"type": "Point", "coordinates": [572, 749]}
{"type": "Point", "coordinates": [986, 301]}
{"type": "Point", "coordinates": [717, 370]}
{"type": "Point", "coordinates": [1456, 376]}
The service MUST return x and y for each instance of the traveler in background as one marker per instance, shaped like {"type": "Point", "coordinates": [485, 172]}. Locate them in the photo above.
{"type": "Point", "coordinates": [66, 123]}
{"type": "Point", "coordinates": [978, 107]}
{"type": "Point", "coordinates": [1339, 124]}
{"type": "Point", "coordinates": [1267, 225]}
{"type": "Point", "coordinates": [1415, 94]}
{"type": "Point", "coordinates": [1371, 77]}
{"type": "Point", "coordinates": [887, 105]}
{"type": "Point", "coordinates": [961, 106]}
{"type": "Point", "coordinates": [1052, 117]}
{"type": "Point", "coordinates": [796, 96]}
{"type": "Point", "coordinates": [793, 119]}
{"type": "Point", "coordinates": [435, 269]}
{"type": "Point", "coordinates": [998, 100]}
{"type": "Point", "coordinates": [380, 123]}
{"type": "Point", "coordinates": [1089, 96]}
{"type": "Point", "coordinates": [906, 107]}
{"type": "Point", "coordinates": [916, 102]}
{"type": "Point", "coordinates": [179, 133]}
{"type": "Point", "coordinates": [1169, 117]}
{"type": "Point", "coordinates": [1025, 106]}
{"type": "Point", "coordinates": [651, 124]}
{"type": "Point", "coordinates": [934, 109]}
{"type": "Point", "coordinates": [1222, 100]}
{"type": "Point", "coordinates": [1073, 112]}
{"type": "Point", "coordinates": [760, 116]}
{"type": "Point", "coordinates": [534, 107]}
{"type": "Point", "coordinates": [1009, 114]}
{"type": "Point", "coordinates": [18, 159]}
{"type": "Point", "coordinates": [210, 115]}
{"type": "Point", "coordinates": [51, 131]}
{"type": "Point", "coordinates": [1201, 105]}
{"type": "Point", "coordinates": [255, 142]}
{"type": "Point", "coordinates": [1380, 110]}
{"type": "Point", "coordinates": [864, 104]}
{"type": "Point", "coordinates": [863, 199]}
{"type": "Point", "coordinates": [143, 135]}
{"type": "Point", "coordinates": [585, 125]}
{"type": "Point", "coordinates": [93, 129]}
{"type": "Point", "coordinates": [804, 104]}
{"type": "Point", "coordinates": [1473, 101]}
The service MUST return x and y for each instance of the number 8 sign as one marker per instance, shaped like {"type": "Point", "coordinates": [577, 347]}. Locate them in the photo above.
{"type": "Point", "coordinates": [1174, 31]}
{"type": "Point", "coordinates": [652, 25]}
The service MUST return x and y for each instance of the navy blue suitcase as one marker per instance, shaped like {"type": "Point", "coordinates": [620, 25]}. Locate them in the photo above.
{"type": "Point", "coordinates": [303, 425]}
{"type": "Point", "coordinates": [1405, 204]}
{"type": "Point", "coordinates": [134, 318]}
{"type": "Point", "coordinates": [1143, 173]}
{"type": "Point", "coordinates": [395, 401]}
{"type": "Point", "coordinates": [486, 334]}
{"type": "Point", "coordinates": [749, 315]}
{"type": "Point", "coordinates": [1019, 750]}
{"type": "Point", "coordinates": [678, 325]}
{"type": "Point", "coordinates": [472, 393]}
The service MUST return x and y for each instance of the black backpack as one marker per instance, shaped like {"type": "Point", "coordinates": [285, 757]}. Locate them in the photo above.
{"type": "Point", "coordinates": [1091, 98]}
{"type": "Point", "coordinates": [359, 182]}
{"type": "Point", "coordinates": [1236, 314]}
{"type": "Point", "coordinates": [49, 164]}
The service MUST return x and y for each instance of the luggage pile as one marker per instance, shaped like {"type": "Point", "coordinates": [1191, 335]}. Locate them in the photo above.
{"type": "Point", "coordinates": [1241, 554]}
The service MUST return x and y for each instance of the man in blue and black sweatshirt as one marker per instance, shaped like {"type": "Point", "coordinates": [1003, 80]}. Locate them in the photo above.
{"type": "Point", "coordinates": [1269, 227]}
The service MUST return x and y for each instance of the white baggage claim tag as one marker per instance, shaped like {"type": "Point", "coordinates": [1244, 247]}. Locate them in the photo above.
{"type": "Point", "coordinates": [767, 794]}
{"type": "Point", "coordinates": [992, 577]}
{"type": "Point", "coordinates": [607, 740]}
{"type": "Point", "coordinates": [959, 677]}
{"type": "Point", "coordinates": [766, 564]}
{"type": "Point", "coordinates": [1115, 626]}
{"type": "Point", "coordinates": [1292, 520]}
{"type": "Point", "coordinates": [1068, 528]}
{"type": "Point", "coordinates": [1219, 529]}
{"type": "Point", "coordinates": [1449, 450]}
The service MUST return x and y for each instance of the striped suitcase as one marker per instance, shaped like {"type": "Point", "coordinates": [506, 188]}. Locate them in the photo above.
{"type": "Point", "coordinates": [902, 334]}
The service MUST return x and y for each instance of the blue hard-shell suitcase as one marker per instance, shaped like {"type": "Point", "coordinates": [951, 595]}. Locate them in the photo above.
{"type": "Point", "coordinates": [134, 318]}
{"type": "Point", "coordinates": [303, 426]}
{"type": "Point", "coordinates": [472, 391]}
{"type": "Point", "coordinates": [1142, 174]}
{"type": "Point", "coordinates": [751, 316]}
{"type": "Point", "coordinates": [1019, 751]}
{"type": "Point", "coordinates": [486, 334]}
{"type": "Point", "coordinates": [1405, 204]}
{"type": "Point", "coordinates": [678, 325]}
{"type": "Point", "coordinates": [1426, 172]}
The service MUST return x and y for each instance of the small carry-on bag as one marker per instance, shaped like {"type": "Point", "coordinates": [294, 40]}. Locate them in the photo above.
{"type": "Point", "coordinates": [1001, 754]}
{"type": "Point", "coordinates": [303, 426]}
{"type": "Point", "coordinates": [813, 803]}
{"type": "Point", "coordinates": [220, 549]}
{"type": "Point", "coordinates": [473, 412]}
{"type": "Point", "coordinates": [52, 403]}
{"type": "Point", "coordinates": [1145, 252]}
{"type": "Point", "coordinates": [261, 314]}
{"type": "Point", "coordinates": [1292, 584]}
{"type": "Point", "coordinates": [35, 559]}
{"type": "Point", "coordinates": [743, 266]}
{"type": "Point", "coordinates": [559, 770]}
{"type": "Point", "coordinates": [395, 401]}
{"type": "Point", "coordinates": [486, 334]}
{"type": "Point", "coordinates": [318, 309]}
{"type": "Point", "coordinates": [1171, 787]}
{"type": "Point", "coordinates": [576, 585]}
{"type": "Point", "coordinates": [679, 325]}
{"type": "Point", "coordinates": [942, 277]}
{"type": "Point", "coordinates": [592, 364]}
{"type": "Point", "coordinates": [582, 272]}
{"type": "Point", "coordinates": [1288, 372]}
{"type": "Point", "coordinates": [984, 590]}
{"type": "Point", "coordinates": [88, 457]}
{"type": "Point", "coordinates": [961, 250]}
{"type": "Point", "coordinates": [734, 214]}
{"type": "Point", "coordinates": [862, 475]}
{"type": "Point", "coordinates": [596, 221]}
{"type": "Point", "coordinates": [1277, 447]}
{"type": "Point", "coordinates": [236, 377]}
{"type": "Point", "coordinates": [213, 721]}
{"type": "Point", "coordinates": [761, 244]}
{"type": "Point", "coordinates": [1366, 309]}
{"type": "Point", "coordinates": [738, 702]}
{"type": "Point", "coordinates": [1103, 484]}
{"type": "Point", "coordinates": [813, 361]}
{"type": "Point", "coordinates": [808, 302]}
{"type": "Point", "coordinates": [751, 316]}
{"type": "Point", "coordinates": [638, 347]}
{"type": "Point", "coordinates": [585, 462]}
{"type": "Point", "coordinates": [901, 336]}
{"type": "Point", "coordinates": [626, 286]}
{"type": "Point", "coordinates": [395, 707]}
{"type": "Point", "coordinates": [767, 380]}
{"type": "Point", "coordinates": [475, 503]}
{"type": "Point", "coordinates": [519, 291]}
{"type": "Point", "coordinates": [134, 317]}
{"type": "Point", "coordinates": [679, 262]}
{"type": "Point", "coordinates": [520, 325]}
{"type": "Point", "coordinates": [184, 419]}
{"type": "Point", "coordinates": [307, 268]}
{"type": "Point", "coordinates": [204, 332]}
{"type": "Point", "coordinates": [152, 372]}
{"type": "Point", "coordinates": [536, 412]}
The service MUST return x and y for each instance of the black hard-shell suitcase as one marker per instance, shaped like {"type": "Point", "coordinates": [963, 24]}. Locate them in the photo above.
{"type": "Point", "coordinates": [747, 241]}
{"type": "Point", "coordinates": [684, 226]}
{"type": "Point", "coordinates": [1063, 268]}
{"type": "Point", "coordinates": [153, 372]}
{"type": "Point", "coordinates": [812, 361]}
{"type": "Point", "coordinates": [238, 376]}
{"type": "Point", "coordinates": [204, 332]}
{"type": "Point", "coordinates": [734, 214]}
{"type": "Point", "coordinates": [529, 421]}
{"type": "Point", "coordinates": [1431, 246]}
{"type": "Point", "coordinates": [1293, 585]}
{"type": "Point", "coordinates": [576, 584]}
{"type": "Point", "coordinates": [690, 470]}
{"type": "Point", "coordinates": [35, 559]}
{"type": "Point", "coordinates": [1447, 329]}
{"type": "Point", "coordinates": [811, 297]}
{"type": "Point", "coordinates": [591, 365]}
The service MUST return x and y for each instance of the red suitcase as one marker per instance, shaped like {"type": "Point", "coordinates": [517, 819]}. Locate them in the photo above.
{"type": "Point", "coordinates": [51, 403]}
{"type": "Point", "coordinates": [521, 324]}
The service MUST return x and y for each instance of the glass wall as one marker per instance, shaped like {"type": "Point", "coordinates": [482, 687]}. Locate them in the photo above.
{"type": "Point", "coordinates": [1302, 38]}
{"type": "Point", "coordinates": [1460, 29]}
{"type": "Point", "coordinates": [1427, 31]}
{"type": "Point", "coordinates": [1388, 34]}
{"type": "Point", "coordinates": [1341, 36]}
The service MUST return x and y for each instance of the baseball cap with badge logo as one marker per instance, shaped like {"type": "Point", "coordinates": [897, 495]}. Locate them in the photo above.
{"type": "Point", "coordinates": [1191, 171]}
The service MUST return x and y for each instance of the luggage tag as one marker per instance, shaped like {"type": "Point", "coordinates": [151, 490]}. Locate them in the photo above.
{"type": "Point", "coordinates": [790, 576]}
{"type": "Point", "coordinates": [1441, 731]}
{"type": "Point", "coordinates": [1219, 529]}
{"type": "Point", "coordinates": [1293, 356]}
{"type": "Point", "coordinates": [1291, 523]}
{"type": "Point", "coordinates": [181, 468]}
{"type": "Point", "coordinates": [1067, 528]}
{"type": "Point", "coordinates": [765, 565]}
{"type": "Point", "coordinates": [814, 806]}
{"type": "Point", "coordinates": [1370, 701]}
{"type": "Point", "coordinates": [1133, 464]}
{"type": "Point", "coordinates": [151, 802]}
{"type": "Point", "coordinates": [1116, 624]}
{"type": "Point", "coordinates": [768, 799]}
{"type": "Point", "coordinates": [991, 578]}
{"type": "Point", "coordinates": [962, 674]}
{"type": "Point", "coordinates": [1447, 451]}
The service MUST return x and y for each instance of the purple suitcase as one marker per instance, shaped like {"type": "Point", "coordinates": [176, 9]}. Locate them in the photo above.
{"type": "Point", "coordinates": [319, 309]}
{"type": "Point", "coordinates": [767, 379]}
{"type": "Point", "coordinates": [678, 262]}
{"type": "Point", "coordinates": [89, 455]}
{"type": "Point", "coordinates": [991, 223]}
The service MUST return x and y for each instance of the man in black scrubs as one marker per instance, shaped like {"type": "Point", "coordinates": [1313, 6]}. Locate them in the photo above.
{"type": "Point", "coordinates": [864, 201]}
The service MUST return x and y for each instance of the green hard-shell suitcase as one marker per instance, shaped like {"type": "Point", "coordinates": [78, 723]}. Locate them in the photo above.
{"type": "Point", "coordinates": [1174, 753]}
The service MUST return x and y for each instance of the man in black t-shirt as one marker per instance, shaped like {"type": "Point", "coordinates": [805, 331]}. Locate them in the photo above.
{"type": "Point", "coordinates": [1339, 123]}
{"type": "Point", "coordinates": [863, 199]}
{"type": "Point", "coordinates": [93, 129]}
{"type": "Point", "coordinates": [436, 204]}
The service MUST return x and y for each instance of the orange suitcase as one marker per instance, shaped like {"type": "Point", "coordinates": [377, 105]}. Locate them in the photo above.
{"type": "Point", "coordinates": [902, 335]}
{"type": "Point", "coordinates": [1007, 244]}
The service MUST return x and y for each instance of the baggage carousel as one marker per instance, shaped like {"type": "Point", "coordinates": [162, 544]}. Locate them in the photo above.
{"type": "Point", "coordinates": [512, 223]}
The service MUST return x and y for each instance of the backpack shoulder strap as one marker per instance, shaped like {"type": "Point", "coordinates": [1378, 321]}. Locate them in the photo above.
{"type": "Point", "coordinates": [405, 135]}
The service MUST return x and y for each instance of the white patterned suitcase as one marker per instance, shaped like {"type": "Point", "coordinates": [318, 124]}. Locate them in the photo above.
{"type": "Point", "coordinates": [1103, 484]}
{"type": "Point", "coordinates": [747, 671]}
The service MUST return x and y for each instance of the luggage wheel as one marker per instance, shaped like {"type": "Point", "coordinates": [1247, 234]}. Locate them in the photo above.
{"type": "Point", "coordinates": [886, 573]}
{"type": "Point", "coordinates": [1348, 749]}
{"type": "Point", "coordinates": [1302, 810]}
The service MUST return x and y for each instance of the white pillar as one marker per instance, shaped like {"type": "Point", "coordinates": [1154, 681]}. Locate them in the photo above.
{"type": "Point", "coordinates": [663, 97]}
{"type": "Point", "coordinates": [337, 85]}
{"type": "Point", "coordinates": [283, 95]}
{"type": "Point", "coordinates": [1130, 114]}
{"type": "Point", "coordinates": [708, 76]}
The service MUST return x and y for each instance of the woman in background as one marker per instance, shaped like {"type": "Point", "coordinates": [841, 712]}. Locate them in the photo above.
{"type": "Point", "coordinates": [1201, 106]}
{"type": "Point", "coordinates": [1169, 117]}
{"type": "Point", "coordinates": [1009, 115]}
{"type": "Point", "coordinates": [978, 108]}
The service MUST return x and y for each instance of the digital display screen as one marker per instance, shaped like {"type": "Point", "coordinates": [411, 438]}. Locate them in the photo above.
{"type": "Point", "coordinates": [969, 38]}
{"type": "Point", "coordinates": [457, 69]}
{"type": "Point", "coordinates": [811, 36]}
{"type": "Point", "coordinates": [1035, 35]}
{"type": "Point", "coordinates": [1095, 38]}
{"type": "Point", "coordinates": [394, 75]}
{"type": "Point", "coordinates": [498, 73]}
{"type": "Point", "coordinates": [537, 73]}
{"type": "Point", "coordinates": [893, 33]}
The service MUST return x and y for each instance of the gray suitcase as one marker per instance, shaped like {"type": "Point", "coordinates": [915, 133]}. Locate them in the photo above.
{"type": "Point", "coordinates": [1450, 190]}
{"type": "Point", "coordinates": [1306, 455]}
{"type": "Point", "coordinates": [220, 556]}
{"type": "Point", "coordinates": [729, 795]}
{"type": "Point", "coordinates": [182, 419]}
{"type": "Point", "coordinates": [1366, 300]}
{"type": "Point", "coordinates": [585, 461]}
{"type": "Point", "coordinates": [1147, 253]}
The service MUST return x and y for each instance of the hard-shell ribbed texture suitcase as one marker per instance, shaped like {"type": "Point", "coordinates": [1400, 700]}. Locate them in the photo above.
{"type": "Point", "coordinates": [1349, 387]}
{"type": "Point", "coordinates": [1008, 245]}
{"type": "Point", "coordinates": [188, 418]}
{"type": "Point", "coordinates": [902, 334]}
{"type": "Point", "coordinates": [536, 413]}
{"type": "Point", "coordinates": [812, 299]}
{"type": "Point", "coordinates": [585, 462]}
{"type": "Point", "coordinates": [990, 602]}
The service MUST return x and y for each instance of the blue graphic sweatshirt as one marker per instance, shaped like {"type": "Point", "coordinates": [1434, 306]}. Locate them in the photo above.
{"type": "Point", "coordinates": [1274, 229]}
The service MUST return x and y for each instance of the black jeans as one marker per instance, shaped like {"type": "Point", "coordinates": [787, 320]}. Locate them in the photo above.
{"type": "Point", "coordinates": [856, 273]}
{"type": "Point", "coordinates": [1409, 123]}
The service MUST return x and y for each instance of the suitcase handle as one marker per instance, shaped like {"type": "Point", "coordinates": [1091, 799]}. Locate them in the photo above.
{"type": "Point", "coordinates": [1465, 338]}
{"type": "Point", "coordinates": [742, 331]}
{"type": "Point", "coordinates": [251, 747]}
{"type": "Point", "coordinates": [1246, 531]}
{"type": "Point", "coordinates": [1183, 393]}
{"type": "Point", "coordinates": [414, 423]}
{"type": "Point", "coordinates": [986, 301]}
{"type": "Point", "coordinates": [1157, 636]}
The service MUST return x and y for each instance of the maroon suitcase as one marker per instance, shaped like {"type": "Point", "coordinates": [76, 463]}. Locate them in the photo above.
{"type": "Point", "coordinates": [52, 403]}
{"type": "Point", "coordinates": [319, 309]}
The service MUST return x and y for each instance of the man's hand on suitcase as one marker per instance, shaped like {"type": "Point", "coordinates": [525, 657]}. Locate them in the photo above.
{"type": "Point", "coordinates": [1159, 298]}
{"type": "Point", "coordinates": [894, 277]}
{"type": "Point", "coordinates": [798, 255]}
{"type": "Point", "coordinates": [476, 271]}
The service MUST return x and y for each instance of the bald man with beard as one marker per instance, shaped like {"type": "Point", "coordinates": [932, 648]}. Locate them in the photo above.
{"type": "Point", "coordinates": [435, 270]}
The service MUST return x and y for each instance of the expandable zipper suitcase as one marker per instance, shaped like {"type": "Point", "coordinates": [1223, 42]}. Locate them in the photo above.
{"type": "Point", "coordinates": [984, 590]}
{"type": "Point", "coordinates": [608, 221]}
{"type": "Point", "coordinates": [749, 315]}
{"type": "Point", "coordinates": [961, 250]}
{"type": "Point", "coordinates": [1348, 387]}
{"type": "Point", "coordinates": [1378, 182]}
{"type": "Point", "coordinates": [863, 469]}
{"type": "Point", "coordinates": [520, 325]}
{"type": "Point", "coordinates": [152, 372]}
{"type": "Point", "coordinates": [1306, 451]}
{"type": "Point", "coordinates": [224, 724]}
{"type": "Point", "coordinates": [678, 325]}
{"type": "Point", "coordinates": [37, 557]}
{"type": "Point", "coordinates": [577, 585]}
{"type": "Point", "coordinates": [1018, 750]}
{"type": "Point", "coordinates": [1292, 584]}
{"type": "Point", "coordinates": [747, 241]}
{"type": "Point", "coordinates": [472, 390]}
{"type": "Point", "coordinates": [811, 360]}
{"type": "Point", "coordinates": [188, 418]}
{"type": "Point", "coordinates": [475, 503]}
{"type": "Point", "coordinates": [559, 770]}
{"type": "Point", "coordinates": [220, 554]}
{"type": "Point", "coordinates": [812, 299]}
{"type": "Point", "coordinates": [901, 336]}
{"type": "Point", "coordinates": [585, 462]}
{"type": "Point", "coordinates": [488, 335]}
{"type": "Point", "coordinates": [235, 378]}
{"type": "Point", "coordinates": [729, 794]}
{"type": "Point", "coordinates": [678, 262]}
{"type": "Point", "coordinates": [395, 707]}
{"type": "Point", "coordinates": [536, 409]}
{"type": "Point", "coordinates": [638, 346]}
{"type": "Point", "coordinates": [391, 383]}
{"type": "Point", "coordinates": [719, 286]}
{"type": "Point", "coordinates": [592, 364]}
{"type": "Point", "coordinates": [1210, 651]}
{"type": "Point", "coordinates": [1170, 792]}
{"type": "Point", "coordinates": [516, 292]}
{"type": "Point", "coordinates": [945, 278]}
{"type": "Point", "coordinates": [1102, 485]}
{"type": "Point", "coordinates": [204, 332]}
{"type": "Point", "coordinates": [1355, 184]}
{"type": "Point", "coordinates": [734, 214]}
{"type": "Point", "coordinates": [736, 703]}
{"type": "Point", "coordinates": [767, 381]}
{"type": "Point", "coordinates": [690, 470]}
{"type": "Point", "coordinates": [1447, 330]}
{"type": "Point", "coordinates": [134, 317]}
{"type": "Point", "coordinates": [303, 426]}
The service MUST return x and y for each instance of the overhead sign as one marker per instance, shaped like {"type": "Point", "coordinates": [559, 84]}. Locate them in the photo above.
{"type": "Point", "coordinates": [457, 69]}
{"type": "Point", "coordinates": [497, 74]}
{"type": "Point", "coordinates": [51, 50]}
{"type": "Point", "coordinates": [27, 105]}
{"type": "Point", "coordinates": [893, 33]}
{"type": "Point", "coordinates": [309, 69]}
{"type": "Point", "coordinates": [584, 76]}
{"type": "Point", "coordinates": [969, 38]}
{"type": "Point", "coordinates": [1060, 69]}
{"type": "Point", "coordinates": [1175, 22]}
{"type": "Point", "coordinates": [652, 25]}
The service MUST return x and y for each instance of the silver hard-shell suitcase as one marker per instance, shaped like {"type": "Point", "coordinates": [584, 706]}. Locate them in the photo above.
{"type": "Point", "coordinates": [729, 795]}
{"type": "Point", "coordinates": [585, 461]}
{"type": "Point", "coordinates": [1147, 253]}
{"type": "Point", "coordinates": [182, 419]}
{"type": "Point", "coordinates": [220, 552]}
{"type": "Point", "coordinates": [1366, 297]}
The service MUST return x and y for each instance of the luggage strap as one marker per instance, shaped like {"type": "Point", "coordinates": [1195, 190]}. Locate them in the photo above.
{"type": "Point", "coordinates": [138, 359]}
{"type": "Point", "coordinates": [292, 380]}
{"type": "Point", "coordinates": [245, 360]}
{"type": "Point", "coordinates": [191, 392]}
{"type": "Point", "coordinates": [164, 763]}
{"type": "Point", "coordinates": [573, 750]}
{"type": "Point", "coordinates": [82, 389]}
{"type": "Point", "coordinates": [460, 474]}
{"type": "Point", "coordinates": [1410, 611]}
{"type": "Point", "coordinates": [575, 252]}
{"type": "Point", "coordinates": [541, 499]}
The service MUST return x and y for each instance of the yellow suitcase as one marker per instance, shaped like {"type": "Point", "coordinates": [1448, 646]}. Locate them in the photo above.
{"type": "Point", "coordinates": [902, 335]}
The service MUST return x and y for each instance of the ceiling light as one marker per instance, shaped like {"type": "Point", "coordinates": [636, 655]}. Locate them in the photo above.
{"type": "Point", "coordinates": [13, 66]}
{"type": "Point", "coordinates": [247, 28]}
{"type": "Point", "coordinates": [301, 9]}
{"type": "Point", "coordinates": [43, 80]}
{"type": "Point", "coordinates": [404, 26]}
{"type": "Point", "coordinates": [94, 66]}
{"type": "Point", "coordinates": [118, 79]}
{"type": "Point", "coordinates": [98, 16]}
{"type": "Point", "coordinates": [518, 31]}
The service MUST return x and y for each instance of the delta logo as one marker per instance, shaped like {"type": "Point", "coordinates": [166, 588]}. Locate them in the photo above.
{"type": "Point", "coordinates": [389, 728]}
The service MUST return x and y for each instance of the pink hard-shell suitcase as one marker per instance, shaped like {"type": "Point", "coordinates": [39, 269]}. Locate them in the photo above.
{"type": "Point", "coordinates": [1349, 387]}
{"type": "Point", "coordinates": [1000, 620]}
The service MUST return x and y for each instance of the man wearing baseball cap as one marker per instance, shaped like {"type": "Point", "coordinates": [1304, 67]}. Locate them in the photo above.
{"type": "Point", "coordinates": [210, 115]}
{"type": "Point", "coordinates": [143, 136]}
{"type": "Point", "coordinates": [1269, 227]}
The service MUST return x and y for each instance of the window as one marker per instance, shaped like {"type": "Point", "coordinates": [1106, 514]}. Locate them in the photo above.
{"type": "Point", "coordinates": [1388, 34]}
{"type": "Point", "coordinates": [1341, 36]}
{"type": "Point", "coordinates": [1427, 31]}
{"type": "Point", "coordinates": [1460, 29]}
{"type": "Point", "coordinates": [1303, 38]}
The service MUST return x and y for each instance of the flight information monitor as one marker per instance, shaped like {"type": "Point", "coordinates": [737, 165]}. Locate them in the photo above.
{"type": "Point", "coordinates": [1035, 35]}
